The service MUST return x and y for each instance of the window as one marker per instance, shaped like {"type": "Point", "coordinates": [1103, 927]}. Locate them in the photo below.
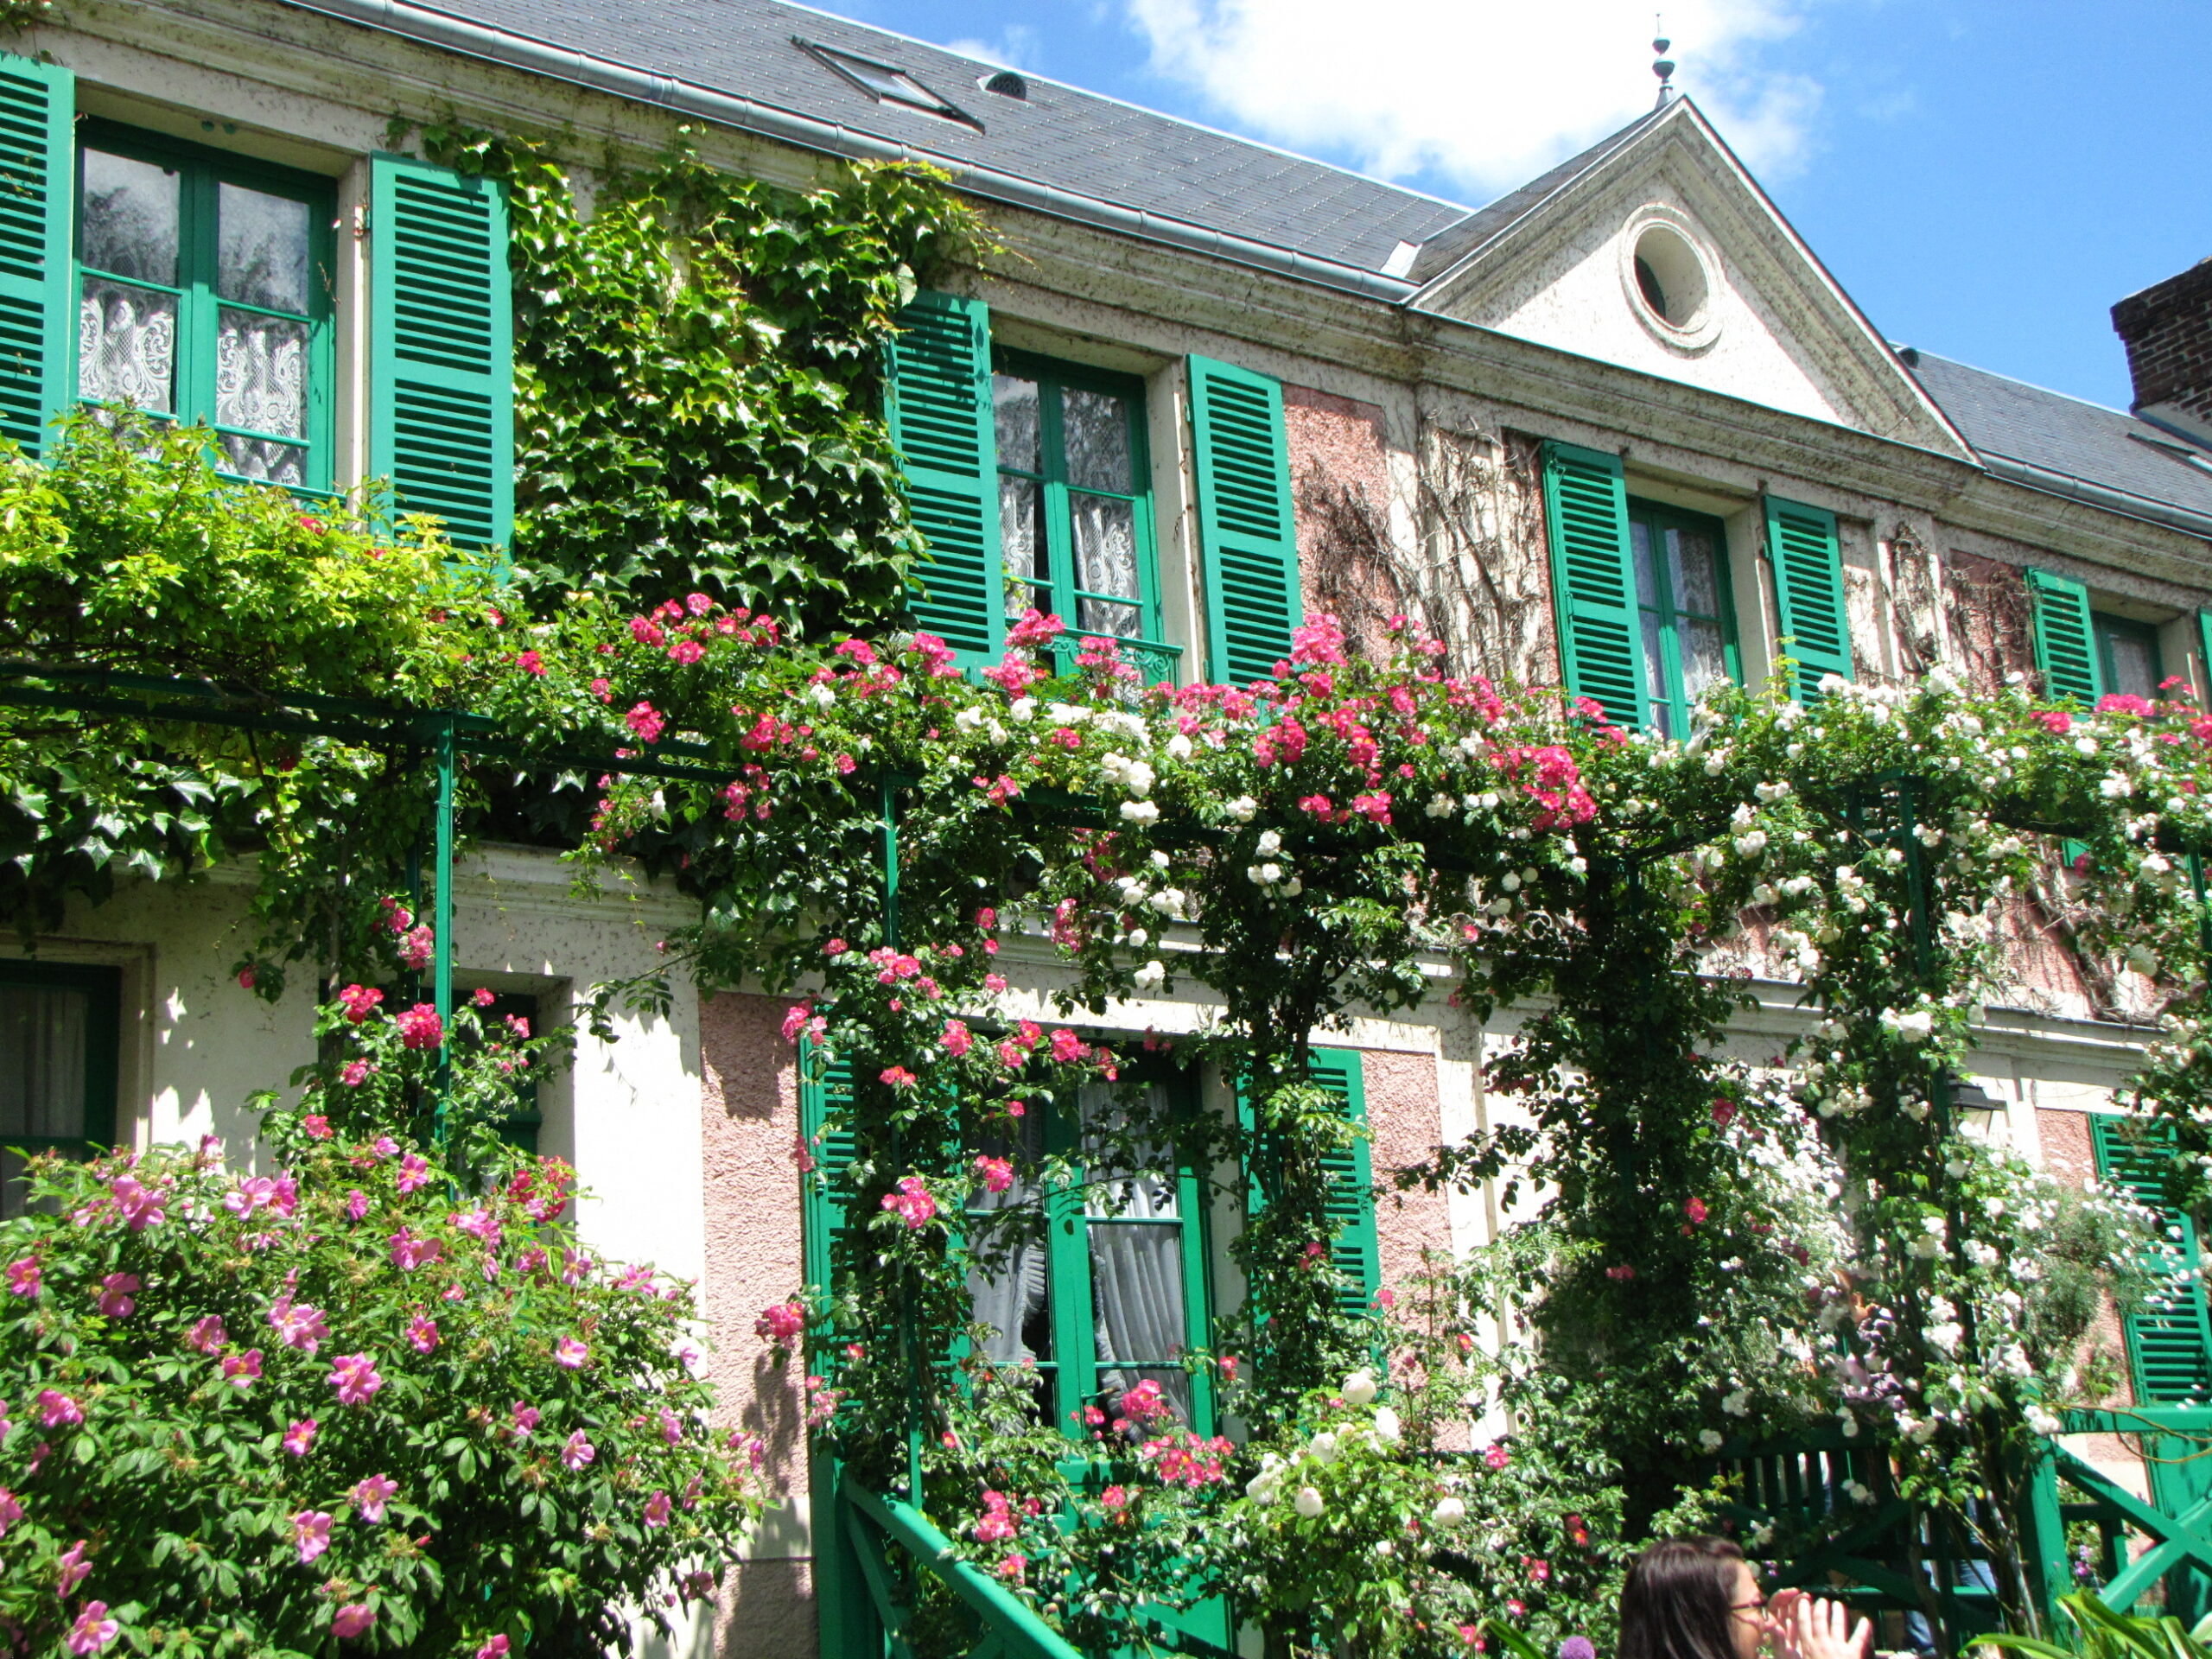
{"type": "Point", "coordinates": [1075, 508]}
{"type": "Point", "coordinates": [203, 292]}
{"type": "Point", "coordinates": [520, 1128]}
{"type": "Point", "coordinates": [2127, 655]}
{"type": "Point", "coordinates": [888, 84]}
{"type": "Point", "coordinates": [59, 1037]}
{"type": "Point", "coordinates": [1683, 602]}
{"type": "Point", "coordinates": [1111, 1290]}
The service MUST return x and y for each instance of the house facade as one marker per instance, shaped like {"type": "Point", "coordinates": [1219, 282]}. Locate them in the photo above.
{"type": "Point", "coordinates": [1618, 431]}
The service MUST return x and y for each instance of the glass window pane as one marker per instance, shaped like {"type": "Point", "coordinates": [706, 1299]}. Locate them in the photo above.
{"type": "Point", "coordinates": [1704, 662]}
{"type": "Point", "coordinates": [261, 373]}
{"type": "Point", "coordinates": [1013, 413]}
{"type": "Point", "coordinates": [1692, 561]}
{"type": "Point", "coordinates": [1105, 545]}
{"type": "Point", "coordinates": [2133, 673]}
{"type": "Point", "coordinates": [45, 1043]}
{"type": "Point", "coordinates": [1655, 676]}
{"type": "Point", "coordinates": [126, 346]}
{"type": "Point", "coordinates": [1136, 1181]}
{"type": "Point", "coordinates": [1021, 529]}
{"type": "Point", "coordinates": [1102, 616]}
{"type": "Point", "coordinates": [1008, 1289]}
{"type": "Point", "coordinates": [130, 216]}
{"type": "Point", "coordinates": [263, 459]}
{"type": "Point", "coordinates": [1647, 585]}
{"type": "Point", "coordinates": [1136, 1297]}
{"type": "Point", "coordinates": [1096, 427]}
{"type": "Point", "coordinates": [261, 255]}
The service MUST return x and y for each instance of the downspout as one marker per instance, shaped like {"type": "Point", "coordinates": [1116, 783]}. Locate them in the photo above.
{"type": "Point", "coordinates": [481, 40]}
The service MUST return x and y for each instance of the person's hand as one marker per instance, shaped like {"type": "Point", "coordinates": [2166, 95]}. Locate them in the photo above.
{"type": "Point", "coordinates": [1799, 1626]}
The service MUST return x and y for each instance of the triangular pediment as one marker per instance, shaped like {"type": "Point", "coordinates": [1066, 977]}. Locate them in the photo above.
{"type": "Point", "coordinates": [1657, 250]}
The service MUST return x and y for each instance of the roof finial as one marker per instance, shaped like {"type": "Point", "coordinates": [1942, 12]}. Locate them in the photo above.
{"type": "Point", "coordinates": [1665, 68]}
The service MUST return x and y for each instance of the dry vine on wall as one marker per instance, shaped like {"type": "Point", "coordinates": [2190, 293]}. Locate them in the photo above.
{"type": "Point", "coordinates": [1476, 576]}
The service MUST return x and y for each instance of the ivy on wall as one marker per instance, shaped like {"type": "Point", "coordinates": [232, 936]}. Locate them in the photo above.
{"type": "Point", "coordinates": [696, 398]}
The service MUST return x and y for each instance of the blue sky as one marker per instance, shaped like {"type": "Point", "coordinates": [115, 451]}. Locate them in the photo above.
{"type": "Point", "coordinates": [1985, 179]}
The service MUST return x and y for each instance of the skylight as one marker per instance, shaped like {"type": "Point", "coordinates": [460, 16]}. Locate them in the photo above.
{"type": "Point", "coordinates": [887, 84]}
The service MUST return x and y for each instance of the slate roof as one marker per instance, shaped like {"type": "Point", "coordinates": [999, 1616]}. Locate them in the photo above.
{"type": "Point", "coordinates": [1060, 135]}
{"type": "Point", "coordinates": [2006, 417]}
{"type": "Point", "coordinates": [1447, 248]}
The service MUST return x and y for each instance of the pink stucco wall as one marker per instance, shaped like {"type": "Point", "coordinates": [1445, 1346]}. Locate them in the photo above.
{"type": "Point", "coordinates": [749, 1126]}
{"type": "Point", "coordinates": [1404, 1123]}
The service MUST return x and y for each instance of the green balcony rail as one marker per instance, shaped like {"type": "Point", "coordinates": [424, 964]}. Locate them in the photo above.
{"type": "Point", "coordinates": [1154, 662]}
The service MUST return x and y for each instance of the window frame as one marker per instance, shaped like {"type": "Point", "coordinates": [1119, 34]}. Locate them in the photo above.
{"type": "Point", "coordinates": [1070, 1317]}
{"type": "Point", "coordinates": [1670, 690]}
{"type": "Point", "coordinates": [2103, 624]}
{"type": "Point", "coordinates": [103, 1055]}
{"type": "Point", "coordinates": [1059, 589]}
{"type": "Point", "coordinates": [202, 169]}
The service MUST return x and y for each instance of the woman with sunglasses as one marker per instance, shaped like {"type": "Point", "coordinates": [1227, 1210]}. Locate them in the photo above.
{"type": "Point", "coordinates": [1698, 1599]}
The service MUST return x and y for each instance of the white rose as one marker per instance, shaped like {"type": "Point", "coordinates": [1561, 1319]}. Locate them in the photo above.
{"type": "Point", "coordinates": [1139, 938]}
{"type": "Point", "coordinates": [1023, 708]}
{"type": "Point", "coordinates": [821, 695]}
{"type": "Point", "coordinates": [1308, 1503]}
{"type": "Point", "coordinates": [1737, 1402]}
{"type": "Point", "coordinates": [1270, 843]}
{"type": "Point", "coordinates": [1138, 778]}
{"type": "Point", "coordinates": [1387, 1426]}
{"type": "Point", "coordinates": [1750, 845]}
{"type": "Point", "coordinates": [1711, 1439]}
{"type": "Point", "coordinates": [1139, 812]}
{"type": "Point", "coordinates": [1360, 1389]}
{"type": "Point", "coordinates": [1324, 1446]}
{"type": "Point", "coordinates": [1293, 888]}
{"type": "Point", "coordinates": [2043, 1421]}
{"type": "Point", "coordinates": [1441, 806]}
{"type": "Point", "coordinates": [1179, 747]}
{"type": "Point", "coordinates": [1242, 809]}
{"type": "Point", "coordinates": [1448, 1512]}
{"type": "Point", "coordinates": [1150, 975]}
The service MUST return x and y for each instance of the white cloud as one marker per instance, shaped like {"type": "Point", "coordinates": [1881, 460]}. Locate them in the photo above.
{"type": "Point", "coordinates": [1481, 92]}
{"type": "Point", "coordinates": [1015, 47]}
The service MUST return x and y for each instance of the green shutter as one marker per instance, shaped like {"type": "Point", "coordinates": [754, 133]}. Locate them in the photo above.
{"type": "Point", "coordinates": [441, 424]}
{"type": "Point", "coordinates": [2204, 645]}
{"type": "Point", "coordinates": [1593, 582]}
{"type": "Point", "coordinates": [938, 403]}
{"type": "Point", "coordinates": [824, 1086]}
{"type": "Point", "coordinates": [38, 172]}
{"type": "Point", "coordinates": [1353, 1251]}
{"type": "Point", "coordinates": [1809, 591]}
{"type": "Point", "coordinates": [1248, 528]}
{"type": "Point", "coordinates": [2168, 1345]}
{"type": "Point", "coordinates": [2066, 646]}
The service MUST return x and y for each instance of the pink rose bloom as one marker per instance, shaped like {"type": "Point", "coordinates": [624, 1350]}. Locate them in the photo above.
{"type": "Point", "coordinates": [898, 1076]}
{"type": "Point", "coordinates": [996, 1174]}
{"type": "Point", "coordinates": [912, 1201]}
{"type": "Point", "coordinates": [477, 1223]}
{"type": "Point", "coordinates": [316, 1125]}
{"type": "Point", "coordinates": [423, 1333]}
{"type": "Point", "coordinates": [530, 662]}
{"type": "Point", "coordinates": [357, 1204]}
{"type": "Point", "coordinates": [354, 1073]}
{"type": "Point", "coordinates": [418, 947]}
{"type": "Point", "coordinates": [115, 1294]}
{"type": "Point", "coordinates": [656, 1509]}
{"type": "Point", "coordinates": [414, 1172]}
{"type": "Point", "coordinates": [23, 1276]}
{"type": "Point", "coordinates": [11, 1511]}
{"type": "Point", "coordinates": [301, 1326]}
{"type": "Point", "coordinates": [645, 721]}
{"type": "Point", "coordinates": [956, 1039]}
{"type": "Point", "coordinates": [994, 983]}
{"type": "Point", "coordinates": [1066, 1046]}
{"type": "Point", "coordinates": [139, 1208]}
{"type": "Point", "coordinates": [370, 1495]}
{"type": "Point", "coordinates": [355, 1378]}
{"type": "Point", "coordinates": [526, 1417]}
{"type": "Point", "coordinates": [359, 1001]}
{"type": "Point", "coordinates": [1496, 1457]}
{"type": "Point", "coordinates": [300, 1436]}
{"type": "Point", "coordinates": [408, 1252]}
{"type": "Point", "coordinates": [496, 1648]}
{"type": "Point", "coordinates": [311, 1532]}
{"type": "Point", "coordinates": [781, 1324]}
{"type": "Point", "coordinates": [58, 1410]}
{"type": "Point", "coordinates": [351, 1620]}
{"type": "Point", "coordinates": [569, 1354]}
{"type": "Point", "coordinates": [242, 1371]}
{"type": "Point", "coordinates": [420, 1027]}
{"type": "Point", "coordinates": [578, 1452]}
{"type": "Point", "coordinates": [75, 1569]}
{"type": "Point", "coordinates": [384, 1146]}
{"type": "Point", "coordinates": [93, 1630]}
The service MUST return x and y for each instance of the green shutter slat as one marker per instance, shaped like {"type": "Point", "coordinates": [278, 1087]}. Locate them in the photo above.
{"type": "Point", "coordinates": [2066, 645]}
{"type": "Point", "coordinates": [2169, 1344]}
{"type": "Point", "coordinates": [441, 348]}
{"type": "Point", "coordinates": [37, 195]}
{"type": "Point", "coordinates": [1808, 558]}
{"type": "Point", "coordinates": [1593, 582]}
{"type": "Point", "coordinates": [1247, 528]}
{"type": "Point", "coordinates": [1350, 1204]}
{"type": "Point", "coordinates": [938, 403]}
{"type": "Point", "coordinates": [823, 1087]}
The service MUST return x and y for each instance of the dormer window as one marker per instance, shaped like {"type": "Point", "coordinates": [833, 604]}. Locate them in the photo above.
{"type": "Point", "coordinates": [888, 84]}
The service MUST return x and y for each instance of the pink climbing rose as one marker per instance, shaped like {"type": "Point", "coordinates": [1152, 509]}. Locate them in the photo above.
{"type": "Point", "coordinates": [355, 1378]}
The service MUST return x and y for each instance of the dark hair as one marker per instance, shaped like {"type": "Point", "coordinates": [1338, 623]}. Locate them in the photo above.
{"type": "Point", "coordinates": [1678, 1599]}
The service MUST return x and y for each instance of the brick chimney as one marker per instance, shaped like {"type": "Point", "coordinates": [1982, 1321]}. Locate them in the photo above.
{"type": "Point", "coordinates": [2168, 331]}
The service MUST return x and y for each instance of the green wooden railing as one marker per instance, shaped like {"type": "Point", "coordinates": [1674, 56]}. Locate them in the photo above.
{"type": "Point", "coordinates": [1153, 661]}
